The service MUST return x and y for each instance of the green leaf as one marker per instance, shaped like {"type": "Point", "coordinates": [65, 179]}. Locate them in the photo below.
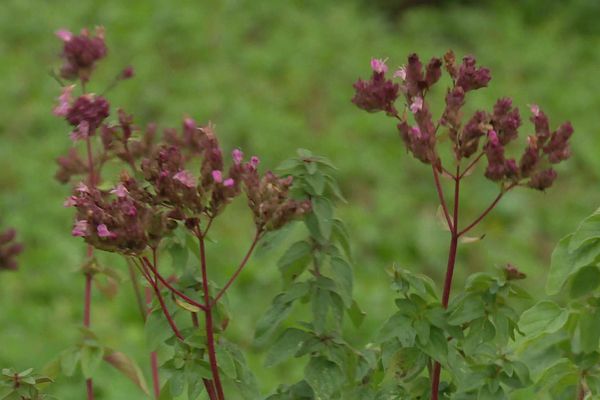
{"type": "Point", "coordinates": [285, 346]}
{"type": "Point", "coordinates": [127, 367]}
{"type": "Point", "coordinates": [91, 357]}
{"type": "Point", "coordinates": [316, 181]}
{"type": "Point", "coordinates": [357, 316]}
{"type": "Point", "coordinates": [589, 330]}
{"type": "Point", "coordinates": [324, 377]}
{"type": "Point", "coordinates": [320, 307]}
{"type": "Point", "coordinates": [545, 317]}
{"type": "Point", "coordinates": [398, 326]}
{"type": "Point", "coordinates": [177, 383]}
{"type": "Point", "coordinates": [584, 281]}
{"type": "Point", "coordinates": [157, 329]}
{"type": "Point", "coordinates": [323, 211]}
{"type": "Point", "coordinates": [468, 309]}
{"type": "Point", "coordinates": [588, 230]}
{"type": "Point", "coordinates": [342, 275]}
{"type": "Point", "coordinates": [563, 263]}
{"type": "Point", "coordinates": [269, 322]}
{"type": "Point", "coordinates": [295, 260]}
{"type": "Point", "coordinates": [69, 360]}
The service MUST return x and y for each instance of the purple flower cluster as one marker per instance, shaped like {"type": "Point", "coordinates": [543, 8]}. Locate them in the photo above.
{"type": "Point", "coordinates": [179, 178]}
{"type": "Point", "coordinates": [81, 53]}
{"type": "Point", "coordinates": [9, 250]}
{"type": "Point", "coordinates": [419, 130]}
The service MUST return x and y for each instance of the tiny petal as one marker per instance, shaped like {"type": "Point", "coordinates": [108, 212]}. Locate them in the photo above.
{"type": "Point", "coordinates": [535, 110]}
{"type": "Point", "coordinates": [103, 232]}
{"type": "Point", "coordinates": [378, 65]}
{"type": "Point", "coordinates": [127, 72]}
{"type": "Point", "coordinates": [186, 178]}
{"type": "Point", "coordinates": [254, 161]}
{"type": "Point", "coordinates": [70, 201]}
{"type": "Point", "coordinates": [400, 73]}
{"type": "Point", "coordinates": [417, 105]}
{"type": "Point", "coordinates": [229, 182]}
{"type": "Point", "coordinates": [120, 191]}
{"type": "Point", "coordinates": [64, 35]}
{"type": "Point", "coordinates": [80, 228]}
{"type": "Point", "coordinates": [493, 138]}
{"type": "Point", "coordinates": [217, 176]}
{"type": "Point", "coordinates": [237, 156]}
{"type": "Point", "coordinates": [82, 188]}
{"type": "Point", "coordinates": [81, 132]}
{"type": "Point", "coordinates": [189, 123]}
{"type": "Point", "coordinates": [64, 100]}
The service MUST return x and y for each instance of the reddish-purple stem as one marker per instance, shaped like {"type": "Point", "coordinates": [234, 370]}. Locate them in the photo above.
{"type": "Point", "coordinates": [440, 193]}
{"type": "Point", "coordinates": [208, 318]}
{"type": "Point", "coordinates": [435, 381]}
{"type": "Point", "coordinates": [486, 211]}
{"type": "Point", "coordinates": [153, 355]}
{"type": "Point", "coordinates": [89, 383]}
{"type": "Point", "coordinates": [170, 287]}
{"type": "Point", "coordinates": [238, 271]}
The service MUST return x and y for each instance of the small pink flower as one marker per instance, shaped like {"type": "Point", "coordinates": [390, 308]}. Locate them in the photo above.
{"type": "Point", "coordinates": [415, 132]}
{"type": "Point", "coordinates": [237, 156]}
{"type": "Point", "coordinates": [217, 176]}
{"type": "Point", "coordinates": [417, 105]}
{"type": "Point", "coordinates": [400, 73]}
{"type": "Point", "coordinates": [64, 101]}
{"type": "Point", "coordinates": [378, 65]}
{"type": "Point", "coordinates": [64, 35]}
{"type": "Point", "coordinates": [186, 178]}
{"type": "Point", "coordinates": [120, 191]}
{"type": "Point", "coordinates": [70, 201]}
{"type": "Point", "coordinates": [127, 72]}
{"type": "Point", "coordinates": [229, 182]}
{"type": "Point", "coordinates": [82, 188]}
{"type": "Point", "coordinates": [493, 138]}
{"type": "Point", "coordinates": [535, 110]}
{"type": "Point", "coordinates": [81, 132]}
{"type": "Point", "coordinates": [189, 123]}
{"type": "Point", "coordinates": [254, 161]}
{"type": "Point", "coordinates": [103, 232]}
{"type": "Point", "coordinates": [80, 228]}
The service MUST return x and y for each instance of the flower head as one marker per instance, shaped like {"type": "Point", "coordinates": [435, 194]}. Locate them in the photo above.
{"type": "Point", "coordinates": [186, 178]}
{"type": "Point", "coordinates": [9, 250]}
{"type": "Point", "coordinates": [378, 66]}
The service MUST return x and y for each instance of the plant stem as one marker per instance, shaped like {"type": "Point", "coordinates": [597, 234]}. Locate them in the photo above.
{"type": "Point", "coordinates": [435, 381]}
{"type": "Point", "coordinates": [171, 288]}
{"type": "Point", "coordinates": [208, 384]}
{"type": "Point", "coordinates": [440, 193]}
{"type": "Point", "coordinates": [238, 271]}
{"type": "Point", "coordinates": [208, 321]}
{"type": "Point", "coordinates": [89, 384]}
{"type": "Point", "coordinates": [137, 291]}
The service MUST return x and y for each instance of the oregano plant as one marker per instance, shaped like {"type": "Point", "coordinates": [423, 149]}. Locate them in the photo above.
{"type": "Point", "coordinates": [151, 196]}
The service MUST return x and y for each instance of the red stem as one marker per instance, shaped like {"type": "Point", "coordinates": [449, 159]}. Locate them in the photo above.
{"type": "Point", "coordinates": [238, 271]}
{"type": "Point", "coordinates": [440, 193]}
{"type": "Point", "coordinates": [208, 318]}
{"type": "Point", "coordinates": [208, 384]}
{"type": "Point", "coordinates": [486, 211]}
{"type": "Point", "coordinates": [170, 287]}
{"type": "Point", "coordinates": [471, 165]}
{"type": "Point", "coordinates": [161, 301]}
{"type": "Point", "coordinates": [435, 381]}
{"type": "Point", "coordinates": [153, 355]}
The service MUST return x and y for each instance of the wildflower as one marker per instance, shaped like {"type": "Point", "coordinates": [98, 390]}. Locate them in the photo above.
{"type": "Point", "coordinates": [378, 66]}
{"type": "Point", "coordinates": [80, 229]}
{"type": "Point", "coordinates": [89, 108]}
{"type": "Point", "coordinates": [400, 73]}
{"type": "Point", "coordinates": [378, 93]}
{"type": "Point", "coordinates": [64, 101]}
{"type": "Point", "coordinates": [103, 231]}
{"type": "Point", "coordinates": [229, 182]}
{"type": "Point", "coordinates": [9, 249]}
{"type": "Point", "coordinates": [217, 176]}
{"type": "Point", "coordinates": [186, 178]}
{"type": "Point", "coordinates": [470, 77]}
{"type": "Point", "coordinates": [120, 191]}
{"type": "Point", "coordinates": [416, 105]}
{"type": "Point", "coordinates": [237, 156]}
{"type": "Point", "coordinates": [81, 52]}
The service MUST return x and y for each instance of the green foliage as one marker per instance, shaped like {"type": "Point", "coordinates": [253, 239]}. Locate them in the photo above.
{"type": "Point", "coordinates": [24, 385]}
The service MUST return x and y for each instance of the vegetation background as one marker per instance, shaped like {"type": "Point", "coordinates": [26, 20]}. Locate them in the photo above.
{"type": "Point", "coordinates": [275, 76]}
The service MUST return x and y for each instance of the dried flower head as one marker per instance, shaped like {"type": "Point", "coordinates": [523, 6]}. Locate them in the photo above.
{"type": "Point", "coordinates": [81, 53]}
{"type": "Point", "coordinates": [9, 250]}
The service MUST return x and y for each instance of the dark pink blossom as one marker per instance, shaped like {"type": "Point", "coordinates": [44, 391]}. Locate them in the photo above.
{"type": "Point", "coordinates": [217, 176]}
{"type": "Point", "coordinates": [186, 178]}
{"type": "Point", "coordinates": [103, 232]}
{"type": "Point", "coordinates": [64, 101]}
{"type": "Point", "coordinates": [80, 229]}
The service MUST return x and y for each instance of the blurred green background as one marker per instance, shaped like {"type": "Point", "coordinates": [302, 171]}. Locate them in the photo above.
{"type": "Point", "coordinates": [275, 76]}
